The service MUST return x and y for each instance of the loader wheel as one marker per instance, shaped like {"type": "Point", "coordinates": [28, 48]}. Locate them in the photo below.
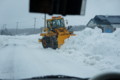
{"type": "Point", "coordinates": [54, 43]}
{"type": "Point", "coordinates": [45, 42]}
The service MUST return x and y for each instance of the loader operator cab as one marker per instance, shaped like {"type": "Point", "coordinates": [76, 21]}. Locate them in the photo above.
{"type": "Point", "coordinates": [55, 22]}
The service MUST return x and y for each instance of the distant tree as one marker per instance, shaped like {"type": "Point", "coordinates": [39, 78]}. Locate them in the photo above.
{"type": "Point", "coordinates": [5, 32]}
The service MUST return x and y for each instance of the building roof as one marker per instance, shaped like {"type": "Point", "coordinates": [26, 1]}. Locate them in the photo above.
{"type": "Point", "coordinates": [102, 19]}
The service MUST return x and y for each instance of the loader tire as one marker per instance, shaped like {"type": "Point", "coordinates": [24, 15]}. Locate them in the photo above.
{"type": "Point", "coordinates": [54, 43]}
{"type": "Point", "coordinates": [45, 42]}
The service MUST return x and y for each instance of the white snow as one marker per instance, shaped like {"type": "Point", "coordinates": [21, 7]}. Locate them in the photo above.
{"type": "Point", "coordinates": [88, 53]}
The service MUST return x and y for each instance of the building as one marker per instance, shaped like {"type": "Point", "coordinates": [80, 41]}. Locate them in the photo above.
{"type": "Point", "coordinates": [108, 24]}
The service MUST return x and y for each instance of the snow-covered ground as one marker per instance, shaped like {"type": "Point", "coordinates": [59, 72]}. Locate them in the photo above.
{"type": "Point", "coordinates": [88, 53]}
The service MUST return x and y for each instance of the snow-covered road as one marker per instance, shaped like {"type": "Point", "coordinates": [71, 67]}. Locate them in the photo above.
{"type": "Point", "coordinates": [85, 55]}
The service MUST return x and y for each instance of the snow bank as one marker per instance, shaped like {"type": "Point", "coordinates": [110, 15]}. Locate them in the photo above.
{"type": "Point", "coordinates": [94, 48]}
{"type": "Point", "coordinates": [88, 53]}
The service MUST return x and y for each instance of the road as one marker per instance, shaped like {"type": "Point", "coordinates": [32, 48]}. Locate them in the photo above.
{"type": "Point", "coordinates": [23, 57]}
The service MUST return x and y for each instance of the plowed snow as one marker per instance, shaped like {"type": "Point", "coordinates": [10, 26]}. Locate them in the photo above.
{"type": "Point", "coordinates": [88, 53]}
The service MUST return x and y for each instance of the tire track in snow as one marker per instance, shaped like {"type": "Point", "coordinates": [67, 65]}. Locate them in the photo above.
{"type": "Point", "coordinates": [57, 64]}
{"type": "Point", "coordinates": [7, 63]}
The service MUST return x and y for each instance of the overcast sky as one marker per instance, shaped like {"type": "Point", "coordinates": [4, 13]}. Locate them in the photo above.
{"type": "Point", "coordinates": [12, 11]}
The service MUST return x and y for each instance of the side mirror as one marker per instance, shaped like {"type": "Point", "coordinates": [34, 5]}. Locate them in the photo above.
{"type": "Point", "coordinates": [107, 76]}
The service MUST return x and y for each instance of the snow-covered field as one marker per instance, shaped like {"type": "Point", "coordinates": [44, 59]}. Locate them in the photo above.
{"type": "Point", "coordinates": [88, 53]}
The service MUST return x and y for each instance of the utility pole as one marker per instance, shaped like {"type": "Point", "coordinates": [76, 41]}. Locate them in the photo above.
{"type": "Point", "coordinates": [3, 29]}
{"type": "Point", "coordinates": [17, 24]}
{"type": "Point", "coordinates": [45, 20]}
{"type": "Point", "coordinates": [35, 24]}
{"type": "Point", "coordinates": [4, 26]}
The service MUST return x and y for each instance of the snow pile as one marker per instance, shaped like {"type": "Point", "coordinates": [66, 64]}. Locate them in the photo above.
{"type": "Point", "coordinates": [94, 48]}
{"type": "Point", "coordinates": [88, 53]}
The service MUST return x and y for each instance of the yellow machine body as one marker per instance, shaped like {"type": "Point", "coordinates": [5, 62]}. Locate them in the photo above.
{"type": "Point", "coordinates": [61, 33]}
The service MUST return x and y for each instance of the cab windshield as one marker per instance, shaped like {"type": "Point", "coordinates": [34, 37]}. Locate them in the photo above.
{"type": "Point", "coordinates": [57, 23]}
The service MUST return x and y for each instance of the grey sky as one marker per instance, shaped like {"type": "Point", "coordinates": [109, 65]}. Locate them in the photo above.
{"type": "Point", "coordinates": [12, 11]}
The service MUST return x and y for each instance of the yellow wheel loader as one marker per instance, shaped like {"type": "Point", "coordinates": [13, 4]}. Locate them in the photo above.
{"type": "Point", "coordinates": [55, 33]}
